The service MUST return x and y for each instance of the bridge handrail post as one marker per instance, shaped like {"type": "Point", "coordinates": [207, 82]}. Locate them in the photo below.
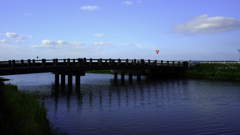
{"type": "Point", "coordinates": [119, 61]}
{"type": "Point", "coordinates": [9, 63]}
{"type": "Point", "coordinates": [84, 60]}
{"type": "Point", "coordinates": [80, 61]}
{"type": "Point", "coordinates": [73, 61]}
{"type": "Point", "coordinates": [56, 62]}
{"type": "Point", "coordinates": [126, 61]}
{"type": "Point", "coordinates": [21, 62]}
{"type": "Point", "coordinates": [161, 62]}
{"type": "Point", "coordinates": [100, 62]}
{"type": "Point", "coordinates": [64, 61]}
{"type": "Point", "coordinates": [68, 61]}
{"type": "Point", "coordinates": [178, 63]}
{"type": "Point", "coordinates": [110, 61]}
{"type": "Point", "coordinates": [148, 61]}
{"type": "Point", "coordinates": [168, 63]}
{"type": "Point", "coordinates": [13, 64]}
{"type": "Point", "coordinates": [33, 62]}
{"type": "Point", "coordinates": [43, 62]}
{"type": "Point", "coordinates": [90, 61]}
{"type": "Point", "coordinates": [134, 62]}
{"type": "Point", "coordinates": [155, 62]}
{"type": "Point", "coordinates": [29, 63]}
{"type": "Point", "coordinates": [173, 63]}
{"type": "Point", "coordinates": [142, 62]}
{"type": "Point", "coordinates": [105, 62]}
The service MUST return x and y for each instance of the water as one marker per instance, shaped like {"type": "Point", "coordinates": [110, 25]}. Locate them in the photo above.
{"type": "Point", "coordinates": [103, 106]}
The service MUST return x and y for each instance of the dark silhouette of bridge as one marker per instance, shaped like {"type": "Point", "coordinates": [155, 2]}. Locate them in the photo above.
{"type": "Point", "coordinates": [78, 67]}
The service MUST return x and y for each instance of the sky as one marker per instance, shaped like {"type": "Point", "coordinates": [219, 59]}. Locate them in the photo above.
{"type": "Point", "coordinates": [133, 29]}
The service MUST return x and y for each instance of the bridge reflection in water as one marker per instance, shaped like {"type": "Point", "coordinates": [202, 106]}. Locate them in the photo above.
{"type": "Point", "coordinates": [136, 93]}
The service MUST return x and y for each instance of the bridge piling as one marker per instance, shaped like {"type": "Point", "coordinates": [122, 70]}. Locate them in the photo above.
{"type": "Point", "coordinates": [56, 79]}
{"type": "Point", "coordinates": [115, 76]}
{"type": "Point", "coordinates": [77, 74]}
{"type": "Point", "coordinates": [122, 76]}
{"type": "Point", "coordinates": [62, 79]}
{"type": "Point", "coordinates": [69, 79]}
{"type": "Point", "coordinates": [130, 76]}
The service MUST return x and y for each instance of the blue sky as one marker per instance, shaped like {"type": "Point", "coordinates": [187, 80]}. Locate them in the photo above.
{"type": "Point", "coordinates": [180, 29]}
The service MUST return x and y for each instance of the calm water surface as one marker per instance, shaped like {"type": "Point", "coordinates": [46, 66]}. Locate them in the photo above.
{"type": "Point", "coordinates": [103, 106]}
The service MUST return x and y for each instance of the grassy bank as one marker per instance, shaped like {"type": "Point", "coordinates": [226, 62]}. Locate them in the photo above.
{"type": "Point", "coordinates": [215, 71]}
{"type": "Point", "coordinates": [21, 113]}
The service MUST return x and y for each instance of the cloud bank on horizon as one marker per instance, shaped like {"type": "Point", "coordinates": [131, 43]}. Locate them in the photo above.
{"type": "Point", "coordinates": [121, 29]}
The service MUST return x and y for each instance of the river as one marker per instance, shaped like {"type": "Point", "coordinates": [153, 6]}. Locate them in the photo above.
{"type": "Point", "coordinates": [105, 106]}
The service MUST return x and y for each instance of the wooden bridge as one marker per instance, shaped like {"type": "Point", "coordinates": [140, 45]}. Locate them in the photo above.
{"type": "Point", "coordinates": [78, 67]}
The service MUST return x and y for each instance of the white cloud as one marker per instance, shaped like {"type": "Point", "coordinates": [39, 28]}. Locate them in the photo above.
{"type": "Point", "coordinates": [102, 43]}
{"type": "Point", "coordinates": [14, 35]}
{"type": "Point", "coordinates": [27, 14]}
{"type": "Point", "coordinates": [128, 2]}
{"type": "Point", "coordinates": [205, 25]}
{"type": "Point", "coordinates": [30, 36]}
{"type": "Point", "coordinates": [137, 45]}
{"type": "Point", "coordinates": [18, 41]}
{"type": "Point", "coordinates": [46, 46]}
{"type": "Point", "coordinates": [57, 44]}
{"type": "Point", "coordinates": [90, 7]}
{"type": "Point", "coordinates": [4, 41]}
{"type": "Point", "coordinates": [141, 46]}
{"type": "Point", "coordinates": [98, 35]}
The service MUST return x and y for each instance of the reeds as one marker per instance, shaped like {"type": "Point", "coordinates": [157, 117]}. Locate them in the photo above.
{"type": "Point", "coordinates": [22, 112]}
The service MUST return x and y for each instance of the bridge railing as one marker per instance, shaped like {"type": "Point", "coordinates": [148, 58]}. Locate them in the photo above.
{"type": "Point", "coordinates": [86, 62]}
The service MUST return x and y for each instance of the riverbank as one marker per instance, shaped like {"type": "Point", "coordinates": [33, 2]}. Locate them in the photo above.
{"type": "Point", "coordinates": [21, 113]}
{"type": "Point", "coordinates": [227, 72]}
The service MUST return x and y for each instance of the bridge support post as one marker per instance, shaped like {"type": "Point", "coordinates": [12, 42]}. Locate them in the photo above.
{"type": "Point", "coordinates": [77, 74]}
{"type": "Point", "coordinates": [56, 79]}
{"type": "Point", "coordinates": [115, 76]}
{"type": "Point", "coordinates": [62, 79]}
{"type": "Point", "coordinates": [13, 64]}
{"type": "Point", "coordinates": [130, 76]}
{"type": "Point", "coordinates": [29, 63]}
{"type": "Point", "coordinates": [122, 76]}
{"type": "Point", "coordinates": [69, 79]}
{"type": "Point", "coordinates": [139, 77]}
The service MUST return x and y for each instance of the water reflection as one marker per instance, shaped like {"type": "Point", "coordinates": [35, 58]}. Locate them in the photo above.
{"type": "Point", "coordinates": [119, 94]}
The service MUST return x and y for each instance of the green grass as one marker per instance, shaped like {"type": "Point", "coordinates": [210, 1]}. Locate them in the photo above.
{"type": "Point", "coordinates": [22, 113]}
{"type": "Point", "coordinates": [218, 71]}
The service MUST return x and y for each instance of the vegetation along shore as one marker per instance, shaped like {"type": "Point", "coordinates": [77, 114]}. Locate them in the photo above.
{"type": "Point", "coordinates": [22, 114]}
